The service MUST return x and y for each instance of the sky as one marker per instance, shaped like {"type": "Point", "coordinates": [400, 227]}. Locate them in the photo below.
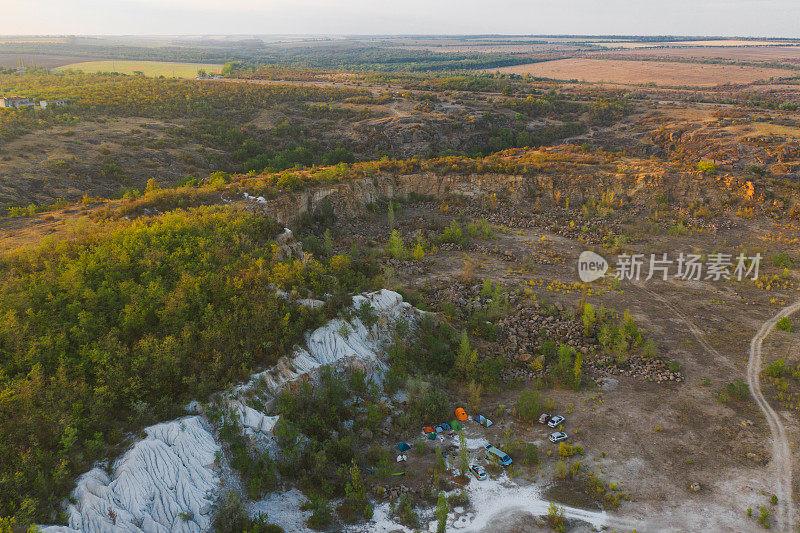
{"type": "Point", "coordinates": [769, 18]}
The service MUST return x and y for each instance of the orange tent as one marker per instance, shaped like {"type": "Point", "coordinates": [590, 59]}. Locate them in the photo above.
{"type": "Point", "coordinates": [428, 430]}
{"type": "Point", "coordinates": [461, 414]}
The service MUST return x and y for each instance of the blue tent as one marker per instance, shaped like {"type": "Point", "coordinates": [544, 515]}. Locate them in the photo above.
{"type": "Point", "coordinates": [403, 446]}
{"type": "Point", "coordinates": [445, 426]}
{"type": "Point", "coordinates": [479, 418]}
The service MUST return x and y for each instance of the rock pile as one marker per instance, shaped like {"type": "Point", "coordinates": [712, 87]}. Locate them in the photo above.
{"type": "Point", "coordinates": [654, 370]}
{"type": "Point", "coordinates": [528, 327]}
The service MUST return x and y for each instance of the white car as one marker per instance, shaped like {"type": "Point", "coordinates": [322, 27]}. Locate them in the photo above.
{"type": "Point", "coordinates": [558, 436]}
{"type": "Point", "coordinates": [555, 421]}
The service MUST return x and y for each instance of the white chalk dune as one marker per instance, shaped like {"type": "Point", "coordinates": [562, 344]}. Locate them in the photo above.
{"type": "Point", "coordinates": [167, 482]}
{"type": "Point", "coordinates": [162, 484]}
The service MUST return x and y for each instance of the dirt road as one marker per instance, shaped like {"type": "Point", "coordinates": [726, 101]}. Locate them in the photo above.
{"type": "Point", "coordinates": [781, 465]}
{"type": "Point", "coordinates": [781, 452]}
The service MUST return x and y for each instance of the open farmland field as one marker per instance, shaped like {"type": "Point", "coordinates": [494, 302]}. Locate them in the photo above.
{"type": "Point", "coordinates": [38, 60]}
{"type": "Point", "coordinates": [5, 40]}
{"type": "Point", "coordinates": [493, 48]}
{"type": "Point", "coordinates": [642, 72]}
{"type": "Point", "coordinates": [734, 53]}
{"type": "Point", "coordinates": [149, 68]}
{"type": "Point", "coordinates": [686, 44]}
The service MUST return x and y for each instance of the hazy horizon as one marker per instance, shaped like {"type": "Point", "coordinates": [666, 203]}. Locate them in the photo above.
{"type": "Point", "coordinates": [736, 18]}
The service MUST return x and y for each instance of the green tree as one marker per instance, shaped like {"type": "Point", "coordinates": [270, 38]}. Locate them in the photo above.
{"type": "Point", "coordinates": [440, 464]}
{"type": "Point", "coordinates": [231, 515]}
{"type": "Point", "coordinates": [356, 493]}
{"type": "Point", "coordinates": [466, 357]}
{"type": "Point", "coordinates": [328, 243]}
{"type": "Point", "coordinates": [532, 454]}
{"type": "Point", "coordinates": [442, 508]}
{"type": "Point", "coordinates": [396, 247]}
{"type": "Point", "coordinates": [338, 155]}
{"type": "Point", "coordinates": [463, 454]}
{"type": "Point", "coordinates": [419, 252]}
{"type": "Point", "coordinates": [230, 67]}
{"type": "Point", "coordinates": [588, 319]}
{"type": "Point", "coordinates": [577, 371]}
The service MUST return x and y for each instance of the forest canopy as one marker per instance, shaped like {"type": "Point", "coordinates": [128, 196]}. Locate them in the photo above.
{"type": "Point", "coordinates": [117, 330]}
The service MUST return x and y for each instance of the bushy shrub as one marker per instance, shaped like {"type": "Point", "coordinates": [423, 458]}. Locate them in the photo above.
{"type": "Point", "coordinates": [321, 513]}
{"type": "Point", "coordinates": [452, 233]}
{"type": "Point", "coordinates": [707, 167]}
{"type": "Point", "coordinates": [531, 404]}
{"type": "Point", "coordinates": [782, 260]}
{"type": "Point", "coordinates": [776, 369]}
{"type": "Point", "coordinates": [738, 390]}
{"type": "Point", "coordinates": [531, 454]}
{"type": "Point", "coordinates": [433, 406]}
{"type": "Point", "coordinates": [230, 516]}
{"type": "Point", "coordinates": [785, 324]}
{"type": "Point", "coordinates": [404, 510]}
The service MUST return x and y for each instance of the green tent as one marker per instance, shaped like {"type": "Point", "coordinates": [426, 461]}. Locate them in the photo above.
{"type": "Point", "coordinates": [456, 425]}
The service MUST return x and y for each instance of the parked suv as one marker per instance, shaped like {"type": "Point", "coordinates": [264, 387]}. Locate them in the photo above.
{"type": "Point", "coordinates": [498, 455]}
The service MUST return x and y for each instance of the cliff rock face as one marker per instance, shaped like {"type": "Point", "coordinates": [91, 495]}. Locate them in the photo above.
{"type": "Point", "coordinates": [636, 184]}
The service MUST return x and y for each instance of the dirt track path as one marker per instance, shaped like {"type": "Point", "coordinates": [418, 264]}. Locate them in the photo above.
{"type": "Point", "coordinates": [696, 332]}
{"type": "Point", "coordinates": [781, 452]}
{"type": "Point", "coordinates": [397, 112]}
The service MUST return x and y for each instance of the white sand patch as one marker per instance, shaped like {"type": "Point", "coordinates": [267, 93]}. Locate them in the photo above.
{"type": "Point", "coordinates": [283, 509]}
{"type": "Point", "coordinates": [382, 521]}
{"type": "Point", "coordinates": [492, 497]}
{"type": "Point", "coordinates": [476, 443]}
